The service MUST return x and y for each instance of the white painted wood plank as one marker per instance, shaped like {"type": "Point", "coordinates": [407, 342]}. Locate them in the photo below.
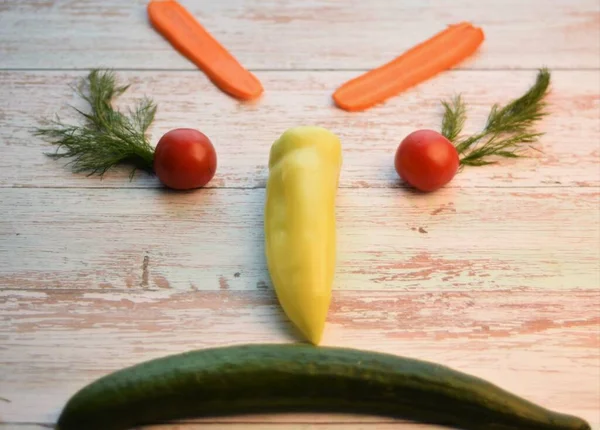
{"type": "Point", "coordinates": [243, 133]}
{"type": "Point", "coordinates": [543, 345]}
{"type": "Point", "coordinates": [287, 34]}
{"type": "Point", "coordinates": [213, 239]}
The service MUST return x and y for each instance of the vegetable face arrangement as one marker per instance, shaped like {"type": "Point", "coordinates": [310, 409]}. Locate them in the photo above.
{"type": "Point", "coordinates": [289, 378]}
{"type": "Point", "coordinates": [300, 247]}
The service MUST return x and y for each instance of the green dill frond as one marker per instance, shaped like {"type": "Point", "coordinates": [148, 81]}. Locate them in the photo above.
{"type": "Point", "coordinates": [508, 130]}
{"type": "Point", "coordinates": [106, 137]}
{"type": "Point", "coordinates": [455, 115]}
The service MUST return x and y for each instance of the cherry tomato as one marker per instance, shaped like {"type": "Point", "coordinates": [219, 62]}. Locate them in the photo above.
{"type": "Point", "coordinates": [426, 160]}
{"type": "Point", "coordinates": [185, 158]}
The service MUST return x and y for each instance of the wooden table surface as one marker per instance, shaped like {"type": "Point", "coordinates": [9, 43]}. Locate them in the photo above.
{"type": "Point", "coordinates": [497, 274]}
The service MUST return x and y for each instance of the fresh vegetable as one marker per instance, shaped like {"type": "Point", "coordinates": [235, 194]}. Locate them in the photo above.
{"type": "Point", "coordinates": [428, 160]}
{"type": "Point", "coordinates": [183, 158]}
{"type": "Point", "coordinates": [192, 40]}
{"type": "Point", "coordinates": [300, 225]}
{"type": "Point", "coordinates": [437, 54]}
{"type": "Point", "coordinates": [275, 378]}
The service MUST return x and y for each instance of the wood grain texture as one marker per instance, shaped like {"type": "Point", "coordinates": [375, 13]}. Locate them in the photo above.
{"type": "Point", "coordinates": [542, 345]}
{"type": "Point", "coordinates": [569, 153]}
{"type": "Point", "coordinates": [457, 239]}
{"type": "Point", "coordinates": [276, 34]}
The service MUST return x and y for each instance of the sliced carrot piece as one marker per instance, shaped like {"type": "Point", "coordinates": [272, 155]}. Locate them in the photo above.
{"type": "Point", "coordinates": [423, 61]}
{"type": "Point", "coordinates": [190, 38]}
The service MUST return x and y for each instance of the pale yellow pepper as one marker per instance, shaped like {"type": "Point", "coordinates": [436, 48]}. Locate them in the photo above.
{"type": "Point", "coordinates": [300, 224]}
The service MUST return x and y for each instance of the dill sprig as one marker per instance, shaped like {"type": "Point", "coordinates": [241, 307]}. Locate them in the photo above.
{"type": "Point", "coordinates": [508, 130]}
{"type": "Point", "coordinates": [455, 115]}
{"type": "Point", "coordinates": [106, 137]}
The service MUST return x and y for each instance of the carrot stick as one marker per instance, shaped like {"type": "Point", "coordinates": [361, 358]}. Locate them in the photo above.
{"type": "Point", "coordinates": [423, 61]}
{"type": "Point", "coordinates": [186, 34]}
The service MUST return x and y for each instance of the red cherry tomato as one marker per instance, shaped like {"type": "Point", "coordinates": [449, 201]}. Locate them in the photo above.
{"type": "Point", "coordinates": [184, 159]}
{"type": "Point", "coordinates": [426, 160]}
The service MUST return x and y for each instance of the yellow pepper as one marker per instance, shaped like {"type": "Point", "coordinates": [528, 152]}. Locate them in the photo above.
{"type": "Point", "coordinates": [300, 225]}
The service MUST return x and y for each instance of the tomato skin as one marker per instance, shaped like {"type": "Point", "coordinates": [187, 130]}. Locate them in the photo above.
{"type": "Point", "coordinates": [426, 160]}
{"type": "Point", "coordinates": [185, 158]}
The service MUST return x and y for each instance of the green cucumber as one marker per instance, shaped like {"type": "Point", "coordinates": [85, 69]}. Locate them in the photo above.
{"type": "Point", "coordinates": [261, 378]}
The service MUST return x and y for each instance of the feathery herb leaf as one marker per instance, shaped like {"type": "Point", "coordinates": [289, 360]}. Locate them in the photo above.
{"type": "Point", "coordinates": [107, 137]}
{"type": "Point", "coordinates": [507, 127]}
{"type": "Point", "coordinates": [455, 115]}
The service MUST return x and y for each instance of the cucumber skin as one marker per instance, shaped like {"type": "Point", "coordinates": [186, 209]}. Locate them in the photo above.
{"type": "Point", "coordinates": [266, 378]}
